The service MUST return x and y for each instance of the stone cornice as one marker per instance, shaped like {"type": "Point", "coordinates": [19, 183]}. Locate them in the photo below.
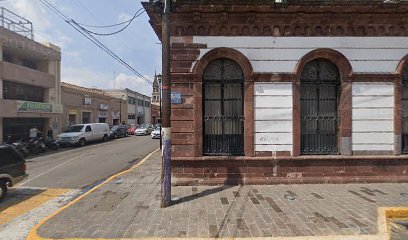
{"type": "Point", "coordinates": [296, 18]}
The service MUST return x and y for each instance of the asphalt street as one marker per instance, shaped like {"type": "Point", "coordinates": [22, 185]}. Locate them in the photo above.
{"type": "Point", "coordinates": [80, 167]}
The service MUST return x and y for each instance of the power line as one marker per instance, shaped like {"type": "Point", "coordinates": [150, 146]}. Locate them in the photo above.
{"type": "Point", "coordinates": [112, 33]}
{"type": "Point", "coordinates": [114, 25]}
{"type": "Point", "coordinates": [99, 44]}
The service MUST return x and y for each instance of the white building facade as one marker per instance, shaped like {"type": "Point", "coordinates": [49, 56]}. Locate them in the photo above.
{"type": "Point", "coordinates": [290, 91]}
{"type": "Point", "coordinates": [138, 105]}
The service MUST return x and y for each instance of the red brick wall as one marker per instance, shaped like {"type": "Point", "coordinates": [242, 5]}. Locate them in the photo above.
{"type": "Point", "coordinates": [290, 171]}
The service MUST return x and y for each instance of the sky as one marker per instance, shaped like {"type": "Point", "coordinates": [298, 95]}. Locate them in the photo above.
{"type": "Point", "coordinates": [83, 63]}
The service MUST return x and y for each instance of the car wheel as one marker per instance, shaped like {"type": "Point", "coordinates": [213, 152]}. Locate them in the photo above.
{"type": "Point", "coordinates": [82, 142]}
{"type": "Point", "coordinates": [115, 136]}
{"type": "Point", "coordinates": [126, 134]}
{"type": "Point", "coordinates": [105, 138]}
{"type": "Point", "coordinates": [3, 190]}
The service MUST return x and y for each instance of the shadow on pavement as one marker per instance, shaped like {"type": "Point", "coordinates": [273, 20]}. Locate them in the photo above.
{"type": "Point", "coordinates": [201, 194]}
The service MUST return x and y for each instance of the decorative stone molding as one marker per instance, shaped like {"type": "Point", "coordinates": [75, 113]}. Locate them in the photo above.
{"type": "Point", "coordinates": [334, 56]}
{"type": "Point", "coordinates": [297, 18]}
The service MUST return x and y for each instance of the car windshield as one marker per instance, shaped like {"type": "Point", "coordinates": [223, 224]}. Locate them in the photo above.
{"type": "Point", "coordinates": [74, 128]}
{"type": "Point", "coordinates": [144, 125]}
{"type": "Point", "coordinates": [114, 127]}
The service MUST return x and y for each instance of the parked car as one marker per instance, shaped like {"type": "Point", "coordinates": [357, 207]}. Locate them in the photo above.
{"type": "Point", "coordinates": [80, 134]}
{"type": "Point", "coordinates": [12, 168]}
{"type": "Point", "coordinates": [156, 133]}
{"type": "Point", "coordinates": [119, 131]}
{"type": "Point", "coordinates": [145, 129]}
{"type": "Point", "coordinates": [132, 128]}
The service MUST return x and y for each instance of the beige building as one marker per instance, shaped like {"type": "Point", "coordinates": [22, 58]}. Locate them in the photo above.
{"type": "Point", "coordinates": [30, 94]}
{"type": "Point", "coordinates": [91, 105]}
{"type": "Point", "coordinates": [138, 105]}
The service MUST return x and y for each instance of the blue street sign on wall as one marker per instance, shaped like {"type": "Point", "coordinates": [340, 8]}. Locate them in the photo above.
{"type": "Point", "coordinates": [175, 98]}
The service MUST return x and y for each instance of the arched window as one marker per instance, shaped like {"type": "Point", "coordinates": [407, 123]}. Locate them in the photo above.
{"type": "Point", "coordinates": [319, 97]}
{"type": "Point", "coordinates": [404, 109]}
{"type": "Point", "coordinates": [223, 120]}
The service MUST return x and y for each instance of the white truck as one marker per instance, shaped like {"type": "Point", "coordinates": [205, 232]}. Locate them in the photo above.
{"type": "Point", "coordinates": [80, 134]}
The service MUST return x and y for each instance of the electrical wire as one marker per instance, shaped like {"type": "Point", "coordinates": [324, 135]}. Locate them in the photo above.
{"type": "Point", "coordinates": [112, 33]}
{"type": "Point", "coordinates": [90, 37]}
{"type": "Point", "coordinates": [113, 25]}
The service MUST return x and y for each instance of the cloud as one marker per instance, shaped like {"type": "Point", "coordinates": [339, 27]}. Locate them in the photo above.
{"type": "Point", "coordinates": [124, 17]}
{"type": "Point", "coordinates": [43, 28]}
{"type": "Point", "coordinates": [134, 83]}
{"type": "Point", "coordinates": [87, 77]}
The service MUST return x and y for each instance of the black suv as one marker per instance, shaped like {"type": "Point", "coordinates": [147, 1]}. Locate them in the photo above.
{"type": "Point", "coordinates": [119, 131]}
{"type": "Point", "coordinates": [12, 168]}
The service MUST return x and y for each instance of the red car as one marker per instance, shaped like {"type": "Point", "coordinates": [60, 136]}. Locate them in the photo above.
{"type": "Point", "coordinates": [132, 129]}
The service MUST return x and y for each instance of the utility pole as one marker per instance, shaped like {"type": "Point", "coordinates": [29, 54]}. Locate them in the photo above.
{"type": "Point", "coordinates": [166, 124]}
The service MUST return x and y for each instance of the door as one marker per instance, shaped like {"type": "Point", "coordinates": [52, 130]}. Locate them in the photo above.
{"type": "Point", "coordinates": [223, 118]}
{"type": "Point", "coordinates": [72, 119]}
{"type": "Point", "coordinates": [319, 94]}
{"type": "Point", "coordinates": [89, 136]}
{"type": "Point", "coordinates": [404, 110]}
{"type": "Point", "coordinates": [86, 117]}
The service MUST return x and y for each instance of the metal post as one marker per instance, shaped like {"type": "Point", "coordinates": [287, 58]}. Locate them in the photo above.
{"type": "Point", "coordinates": [166, 90]}
{"type": "Point", "coordinates": [160, 112]}
{"type": "Point", "coordinates": [120, 112]}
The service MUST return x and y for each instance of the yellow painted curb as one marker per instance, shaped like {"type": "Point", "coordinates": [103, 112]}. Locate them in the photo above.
{"type": "Point", "coordinates": [32, 235]}
{"type": "Point", "coordinates": [10, 211]}
{"type": "Point", "coordinates": [382, 227]}
{"type": "Point", "coordinates": [387, 214]}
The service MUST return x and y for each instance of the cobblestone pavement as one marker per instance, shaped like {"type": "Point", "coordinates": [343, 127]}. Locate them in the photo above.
{"type": "Point", "coordinates": [129, 207]}
{"type": "Point", "coordinates": [19, 227]}
{"type": "Point", "coordinates": [399, 229]}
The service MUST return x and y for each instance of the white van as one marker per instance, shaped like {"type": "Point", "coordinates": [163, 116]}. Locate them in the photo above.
{"type": "Point", "coordinates": [82, 133]}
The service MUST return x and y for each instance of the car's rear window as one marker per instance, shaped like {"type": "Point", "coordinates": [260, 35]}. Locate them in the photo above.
{"type": "Point", "coordinates": [8, 156]}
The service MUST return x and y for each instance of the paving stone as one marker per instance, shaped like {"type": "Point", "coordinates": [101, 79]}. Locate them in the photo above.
{"type": "Point", "coordinates": [132, 209]}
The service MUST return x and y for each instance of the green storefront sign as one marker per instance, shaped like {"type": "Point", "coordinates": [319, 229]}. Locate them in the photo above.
{"type": "Point", "coordinates": [34, 107]}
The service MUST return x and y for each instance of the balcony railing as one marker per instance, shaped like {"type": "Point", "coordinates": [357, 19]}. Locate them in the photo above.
{"type": "Point", "coordinates": [16, 23]}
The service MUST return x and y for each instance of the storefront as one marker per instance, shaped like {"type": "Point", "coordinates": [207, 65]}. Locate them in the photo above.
{"type": "Point", "coordinates": [72, 117]}
{"type": "Point", "coordinates": [88, 105]}
{"type": "Point", "coordinates": [277, 92]}
{"type": "Point", "coordinates": [27, 115]}
{"type": "Point", "coordinates": [18, 128]}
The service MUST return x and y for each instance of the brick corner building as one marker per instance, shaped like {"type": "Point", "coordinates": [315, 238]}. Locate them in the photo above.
{"type": "Point", "coordinates": [288, 92]}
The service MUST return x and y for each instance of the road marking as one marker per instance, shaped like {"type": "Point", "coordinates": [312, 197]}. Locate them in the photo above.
{"type": "Point", "coordinates": [32, 235]}
{"type": "Point", "coordinates": [19, 206]}
{"type": "Point", "coordinates": [382, 231]}
{"type": "Point", "coordinates": [72, 159]}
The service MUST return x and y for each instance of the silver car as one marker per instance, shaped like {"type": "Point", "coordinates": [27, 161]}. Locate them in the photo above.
{"type": "Point", "coordinates": [156, 133]}
{"type": "Point", "coordinates": [144, 129]}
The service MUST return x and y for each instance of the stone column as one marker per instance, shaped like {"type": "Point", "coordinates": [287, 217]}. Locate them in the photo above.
{"type": "Point", "coordinates": [345, 114]}
{"type": "Point", "coordinates": [397, 117]}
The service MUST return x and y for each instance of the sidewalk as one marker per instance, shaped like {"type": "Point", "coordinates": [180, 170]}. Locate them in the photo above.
{"type": "Point", "coordinates": [129, 207]}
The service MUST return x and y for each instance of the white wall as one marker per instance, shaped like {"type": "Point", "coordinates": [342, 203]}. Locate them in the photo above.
{"type": "Point", "coordinates": [273, 117]}
{"type": "Point", "coordinates": [281, 54]}
{"type": "Point", "coordinates": [373, 114]}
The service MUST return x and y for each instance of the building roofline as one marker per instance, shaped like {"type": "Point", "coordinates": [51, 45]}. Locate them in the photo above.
{"type": "Point", "coordinates": [87, 90]}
